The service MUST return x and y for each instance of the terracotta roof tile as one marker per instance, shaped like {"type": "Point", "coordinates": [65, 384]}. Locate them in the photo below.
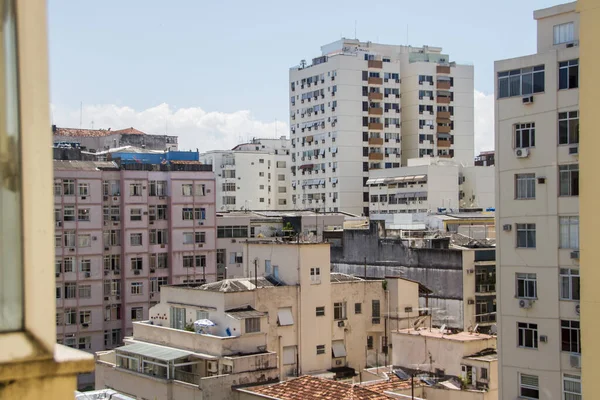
{"type": "Point", "coordinates": [310, 387]}
{"type": "Point", "coordinates": [130, 131]}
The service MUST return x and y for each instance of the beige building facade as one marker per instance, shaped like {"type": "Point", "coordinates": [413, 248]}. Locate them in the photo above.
{"type": "Point", "coordinates": [537, 147]}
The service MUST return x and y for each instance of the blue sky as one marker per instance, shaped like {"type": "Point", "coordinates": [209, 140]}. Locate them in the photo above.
{"type": "Point", "coordinates": [226, 57]}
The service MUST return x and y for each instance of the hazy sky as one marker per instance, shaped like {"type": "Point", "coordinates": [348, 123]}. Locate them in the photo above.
{"type": "Point", "coordinates": [215, 72]}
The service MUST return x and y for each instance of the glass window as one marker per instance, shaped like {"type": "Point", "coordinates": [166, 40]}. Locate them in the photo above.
{"type": "Point", "coordinates": [570, 336]}
{"type": "Point", "coordinates": [529, 387]}
{"type": "Point", "coordinates": [252, 325]}
{"type": "Point", "coordinates": [526, 286]}
{"type": "Point", "coordinates": [526, 235]}
{"type": "Point", "coordinates": [521, 82]}
{"type": "Point", "coordinates": [569, 232]}
{"type": "Point", "coordinates": [564, 33]}
{"type": "Point", "coordinates": [568, 74]}
{"type": "Point", "coordinates": [568, 127]}
{"type": "Point", "coordinates": [568, 180]}
{"type": "Point", "coordinates": [528, 335]}
{"type": "Point", "coordinates": [524, 135]}
{"type": "Point", "coordinates": [572, 387]}
{"type": "Point", "coordinates": [339, 310]}
{"type": "Point", "coordinates": [524, 186]}
{"type": "Point", "coordinates": [569, 284]}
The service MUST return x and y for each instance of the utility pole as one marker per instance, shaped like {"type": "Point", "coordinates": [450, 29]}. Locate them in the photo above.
{"type": "Point", "coordinates": [256, 272]}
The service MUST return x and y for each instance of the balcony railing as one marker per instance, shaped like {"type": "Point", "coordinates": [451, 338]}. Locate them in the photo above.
{"type": "Point", "coordinates": [443, 69]}
{"type": "Point", "coordinates": [485, 318]}
{"type": "Point", "coordinates": [376, 141]}
{"type": "Point", "coordinates": [375, 81]}
{"type": "Point", "coordinates": [444, 143]}
{"type": "Point", "coordinates": [443, 129]}
{"type": "Point", "coordinates": [485, 288]}
{"type": "Point", "coordinates": [375, 96]}
{"type": "Point", "coordinates": [376, 156]}
{"type": "Point", "coordinates": [375, 111]}
{"type": "Point", "coordinates": [375, 64]}
{"type": "Point", "coordinates": [442, 85]}
{"type": "Point", "coordinates": [443, 114]}
{"type": "Point", "coordinates": [376, 126]}
{"type": "Point", "coordinates": [443, 100]}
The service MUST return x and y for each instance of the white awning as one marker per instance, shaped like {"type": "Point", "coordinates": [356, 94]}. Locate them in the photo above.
{"type": "Point", "coordinates": [284, 316]}
{"type": "Point", "coordinates": [338, 348]}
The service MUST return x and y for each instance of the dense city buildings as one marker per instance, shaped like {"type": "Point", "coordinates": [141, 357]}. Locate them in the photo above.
{"type": "Point", "coordinates": [363, 106]}
{"type": "Point", "coordinates": [537, 182]}
{"type": "Point", "coordinates": [252, 176]}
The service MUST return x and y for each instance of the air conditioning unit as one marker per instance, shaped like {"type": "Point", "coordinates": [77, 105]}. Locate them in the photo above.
{"type": "Point", "coordinates": [543, 338]}
{"type": "Point", "coordinates": [338, 362]}
{"type": "Point", "coordinates": [525, 303]}
{"type": "Point", "coordinates": [470, 301]}
{"type": "Point", "coordinates": [200, 222]}
{"type": "Point", "coordinates": [105, 198]}
{"type": "Point", "coordinates": [233, 240]}
{"type": "Point", "coordinates": [117, 271]}
{"type": "Point", "coordinates": [106, 298]}
{"type": "Point", "coordinates": [161, 197]}
{"type": "Point", "coordinates": [136, 272]}
{"type": "Point", "coordinates": [470, 271]}
{"type": "Point", "coordinates": [87, 274]}
{"type": "Point", "coordinates": [527, 99]}
{"type": "Point", "coordinates": [575, 255]}
{"type": "Point", "coordinates": [574, 150]}
{"type": "Point", "coordinates": [341, 324]}
{"type": "Point", "coordinates": [575, 361]}
{"type": "Point", "coordinates": [117, 297]}
{"type": "Point", "coordinates": [507, 227]}
{"type": "Point", "coordinates": [522, 153]}
{"type": "Point", "coordinates": [577, 309]}
{"type": "Point", "coordinates": [152, 270]}
{"type": "Point", "coordinates": [200, 245]}
{"type": "Point", "coordinates": [57, 274]}
{"type": "Point", "coordinates": [541, 180]}
{"type": "Point", "coordinates": [85, 325]}
{"type": "Point", "coordinates": [212, 366]}
{"type": "Point", "coordinates": [106, 248]}
{"type": "Point", "coordinates": [572, 44]}
{"type": "Point", "coordinates": [58, 223]}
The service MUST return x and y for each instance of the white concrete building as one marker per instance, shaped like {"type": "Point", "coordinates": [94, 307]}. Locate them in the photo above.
{"type": "Point", "coordinates": [427, 185]}
{"type": "Point", "coordinates": [253, 175]}
{"type": "Point", "coordinates": [346, 117]}
{"type": "Point", "coordinates": [537, 180]}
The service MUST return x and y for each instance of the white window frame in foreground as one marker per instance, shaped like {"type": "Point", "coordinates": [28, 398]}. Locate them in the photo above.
{"type": "Point", "coordinates": [572, 387]}
{"type": "Point", "coordinates": [525, 186]}
{"type": "Point", "coordinates": [568, 232]}
{"type": "Point", "coordinates": [529, 286]}
{"type": "Point", "coordinates": [564, 33]}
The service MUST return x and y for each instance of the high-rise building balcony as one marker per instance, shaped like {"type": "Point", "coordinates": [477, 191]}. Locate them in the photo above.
{"type": "Point", "coordinates": [376, 111]}
{"type": "Point", "coordinates": [376, 156]}
{"type": "Point", "coordinates": [376, 141]}
{"type": "Point", "coordinates": [375, 81]}
{"type": "Point", "coordinates": [443, 85]}
{"type": "Point", "coordinates": [443, 100]}
{"type": "Point", "coordinates": [444, 129]}
{"type": "Point", "coordinates": [378, 126]}
{"type": "Point", "coordinates": [442, 69]}
{"type": "Point", "coordinates": [443, 115]}
{"type": "Point", "coordinates": [444, 143]}
{"type": "Point", "coordinates": [375, 64]}
{"type": "Point", "coordinates": [375, 96]}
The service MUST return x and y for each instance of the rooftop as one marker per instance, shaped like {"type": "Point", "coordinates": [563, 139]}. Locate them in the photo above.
{"type": "Point", "coordinates": [489, 354]}
{"type": "Point", "coordinates": [235, 285]}
{"type": "Point", "coordinates": [310, 387]}
{"type": "Point", "coordinates": [437, 334]}
{"type": "Point", "coordinates": [84, 165]}
{"type": "Point", "coordinates": [338, 277]}
{"type": "Point", "coordinates": [78, 132]}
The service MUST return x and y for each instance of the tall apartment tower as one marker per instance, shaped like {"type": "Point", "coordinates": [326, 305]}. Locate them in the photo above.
{"type": "Point", "coordinates": [363, 106]}
{"type": "Point", "coordinates": [122, 232]}
{"type": "Point", "coordinates": [253, 175]}
{"type": "Point", "coordinates": [537, 180]}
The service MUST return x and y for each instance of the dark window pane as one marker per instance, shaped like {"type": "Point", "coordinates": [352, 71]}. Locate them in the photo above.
{"type": "Point", "coordinates": [503, 87]}
{"type": "Point", "coordinates": [515, 85]}
{"type": "Point", "coordinates": [563, 78]}
{"type": "Point", "coordinates": [563, 132]}
{"type": "Point", "coordinates": [527, 84]}
{"type": "Point", "coordinates": [538, 82]}
{"type": "Point", "coordinates": [573, 77]}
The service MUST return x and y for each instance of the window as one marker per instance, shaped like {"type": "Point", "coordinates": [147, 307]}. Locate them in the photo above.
{"type": "Point", "coordinates": [137, 263]}
{"type": "Point", "coordinates": [85, 317]}
{"type": "Point", "coordinates": [84, 240]}
{"type": "Point", "coordinates": [370, 342]}
{"type": "Point", "coordinates": [524, 135]}
{"type": "Point", "coordinates": [375, 311]}
{"type": "Point", "coordinates": [529, 386]}
{"type": "Point", "coordinates": [57, 240]}
{"type": "Point", "coordinates": [568, 127]}
{"type": "Point", "coordinates": [572, 387]}
{"type": "Point", "coordinates": [200, 237]}
{"type": "Point", "coordinates": [339, 310]}
{"type": "Point", "coordinates": [569, 232]}
{"type": "Point", "coordinates": [158, 188]}
{"type": "Point", "coordinates": [252, 325]}
{"type": "Point", "coordinates": [137, 313]}
{"type": "Point", "coordinates": [568, 74]}
{"type": "Point", "coordinates": [229, 173]}
{"type": "Point", "coordinates": [281, 189]}
{"type": "Point", "coordinates": [135, 214]}
{"type": "Point", "coordinates": [570, 336]}
{"type": "Point", "coordinates": [229, 187]}
{"type": "Point", "coordinates": [84, 343]}
{"type": "Point", "coordinates": [158, 212]}
{"type": "Point", "coordinates": [320, 349]}
{"type": "Point", "coordinates": [156, 283]}
{"type": "Point", "coordinates": [357, 308]}
{"type": "Point", "coordinates": [112, 213]}
{"type": "Point", "coordinates": [68, 187]}
{"type": "Point", "coordinates": [84, 291]}
{"type": "Point", "coordinates": [137, 287]}
{"type": "Point", "coordinates": [112, 237]}
{"type": "Point", "coordinates": [524, 186]}
{"type": "Point", "coordinates": [528, 335]}
{"type": "Point", "coordinates": [70, 316]}
{"type": "Point", "coordinates": [526, 235]}
{"type": "Point", "coordinates": [320, 311]}
{"type": "Point", "coordinates": [569, 284]}
{"type": "Point", "coordinates": [69, 238]}
{"type": "Point", "coordinates": [58, 292]}
{"type": "Point", "coordinates": [569, 179]}
{"type": "Point", "coordinates": [186, 189]}
{"type": "Point", "coordinates": [83, 189]}
{"type": "Point", "coordinates": [229, 200]}
{"type": "Point", "coordinates": [236, 257]}
{"type": "Point", "coordinates": [563, 33]}
{"type": "Point", "coordinates": [112, 262]}
{"type": "Point", "coordinates": [526, 286]}
{"type": "Point", "coordinates": [111, 188]}
{"type": "Point", "coordinates": [135, 189]}
{"type": "Point", "coordinates": [521, 82]}
{"type": "Point", "coordinates": [202, 314]}
{"type": "Point", "coordinates": [58, 187]}
{"type": "Point", "coordinates": [158, 236]}
{"type": "Point", "coordinates": [200, 189]}
{"type": "Point", "coordinates": [85, 265]}
{"type": "Point", "coordinates": [261, 174]}
{"type": "Point", "coordinates": [135, 239]}
{"type": "Point", "coordinates": [315, 275]}
{"type": "Point", "coordinates": [112, 337]}
{"type": "Point", "coordinates": [199, 213]}
{"type": "Point", "coordinates": [484, 374]}
{"type": "Point", "coordinates": [83, 214]}
{"type": "Point", "coordinates": [188, 261]}
{"type": "Point", "coordinates": [201, 261]}
{"type": "Point", "coordinates": [68, 264]}
{"type": "Point", "coordinates": [69, 213]}
{"type": "Point", "coordinates": [159, 260]}
{"type": "Point", "coordinates": [280, 164]}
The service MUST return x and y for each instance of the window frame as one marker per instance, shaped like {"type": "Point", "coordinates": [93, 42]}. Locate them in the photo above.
{"type": "Point", "coordinates": [556, 40]}
{"type": "Point", "coordinates": [522, 331]}
{"type": "Point", "coordinates": [520, 131]}
{"type": "Point", "coordinates": [572, 280]}
{"type": "Point", "coordinates": [567, 66]}
{"type": "Point", "coordinates": [525, 228]}
{"type": "Point", "coordinates": [572, 232]}
{"type": "Point", "coordinates": [526, 278]}
{"type": "Point", "coordinates": [566, 327]}
{"type": "Point", "coordinates": [526, 181]}
{"type": "Point", "coordinates": [567, 117]}
{"type": "Point", "coordinates": [568, 174]}
{"type": "Point", "coordinates": [574, 379]}
{"type": "Point", "coordinates": [530, 387]}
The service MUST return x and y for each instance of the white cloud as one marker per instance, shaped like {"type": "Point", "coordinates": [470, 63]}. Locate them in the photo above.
{"type": "Point", "coordinates": [484, 122]}
{"type": "Point", "coordinates": [195, 127]}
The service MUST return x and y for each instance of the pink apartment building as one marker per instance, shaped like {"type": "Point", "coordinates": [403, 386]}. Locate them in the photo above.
{"type": "Point", "coordinates": [121, 233]}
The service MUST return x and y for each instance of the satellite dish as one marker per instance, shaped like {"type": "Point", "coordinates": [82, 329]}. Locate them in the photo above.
{"type": "Point", "coordinates": [494, 329]}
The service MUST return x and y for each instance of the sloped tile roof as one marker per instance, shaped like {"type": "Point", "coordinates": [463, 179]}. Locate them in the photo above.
{"type": "Point", "coordinates": [130, 131]}
{"type": "Point", "coordinates": [310, 387]}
